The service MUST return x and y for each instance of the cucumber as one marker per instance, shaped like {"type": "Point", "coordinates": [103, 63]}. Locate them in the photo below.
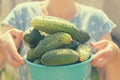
{"type": "Point", "coordinates": [32, 37]}
{"type": "Point", "coordinates": [51, 42]}
{"type": "Point", "coordinates": [58, 57]}
{"type": "Point", "coordinates": [51, 25]}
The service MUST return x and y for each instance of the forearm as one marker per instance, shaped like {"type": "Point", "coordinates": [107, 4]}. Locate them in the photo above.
{"type": "Point", "coordinates": [6, 28]}
{"type": "Point", "coordinates": [112, 66]}
{"type": "Point", "coordinates": [110, 70]}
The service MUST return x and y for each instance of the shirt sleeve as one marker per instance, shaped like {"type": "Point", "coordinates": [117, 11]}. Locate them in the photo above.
{"type": "Point", "coordinates": [103, 24]}
{"type": "Point", "coordinates": [108, 24]}
{"type": "Point", "coordinates": [13, 18]}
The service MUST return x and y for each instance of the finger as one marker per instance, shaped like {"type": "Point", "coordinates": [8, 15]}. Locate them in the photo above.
{"type": "Point", "coordinates": [16, 57]}
{"type": "Point", "coordinates": [99, 64]}
{"type": "Point", "coordinates": [11, 49]}
{"type": "Point", "coordinates": [105, 53]}
{"type": "Point", "coordinates": [17, 35]}
{"type": "Point", "coordinates": [13, 62]}
{"type": "Point", "coordinates": [99, 45]}
{"type": "Point", "coordinates": [12, 52]}
{"type": "Point", "coordinates": [100, 58]}
{"type": "Point", "coordinates": [16, 32]}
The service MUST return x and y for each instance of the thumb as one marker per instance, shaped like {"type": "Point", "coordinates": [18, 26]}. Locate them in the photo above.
{"type": "Point", "coordinates": [17, 36]}
{"type": "Point", "coordinates": [100, 44]}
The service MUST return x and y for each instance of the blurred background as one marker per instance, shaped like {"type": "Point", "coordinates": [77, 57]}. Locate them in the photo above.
{"type": "Point", "coordinates": [110, 7]}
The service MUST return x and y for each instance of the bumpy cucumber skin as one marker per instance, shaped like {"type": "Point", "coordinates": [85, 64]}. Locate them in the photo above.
{"type": "Point", "coordinates": [52, 41]}
{"type": "Point", "coordinates": [51, 24]}
{"type": "Point", "coordinates": [84, 51]}
{"type": "Point", "coordinates": [58, 57]}
{"type": "Point", "coordinates": [30, 54]}
{"type": "Point", "coordinates": [73, 45]}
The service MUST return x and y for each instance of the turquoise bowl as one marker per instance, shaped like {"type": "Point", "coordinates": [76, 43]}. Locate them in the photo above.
{"type": "Point", "coordinates": [78, 71]}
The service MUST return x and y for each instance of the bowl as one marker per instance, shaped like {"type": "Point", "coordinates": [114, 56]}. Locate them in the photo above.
{"type": "Point", "coordinates": [78, 71]}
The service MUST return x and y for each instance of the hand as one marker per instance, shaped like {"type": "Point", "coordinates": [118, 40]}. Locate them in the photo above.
{"type": "Point", "coordinates": [106, 50]}
{"type": "Point", "coordinates": [9, 49]}
{"type": "Point", "coordinates": [16, 34]}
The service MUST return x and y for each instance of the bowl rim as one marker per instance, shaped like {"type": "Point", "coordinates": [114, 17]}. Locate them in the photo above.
{"type": "Point", "coordinates": [61, 66]}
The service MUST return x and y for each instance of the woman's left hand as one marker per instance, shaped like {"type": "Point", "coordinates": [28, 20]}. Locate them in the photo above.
{"type": "Point", "coordinates": [106, 50]}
